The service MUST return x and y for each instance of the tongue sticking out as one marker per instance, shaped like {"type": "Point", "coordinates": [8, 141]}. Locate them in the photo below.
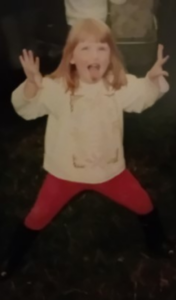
{"type": "Point", "coordinates": [94, 71]}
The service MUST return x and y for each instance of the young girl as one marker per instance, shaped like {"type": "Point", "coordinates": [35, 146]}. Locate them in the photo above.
{"type": "Point", "coordinates": [85, 99]}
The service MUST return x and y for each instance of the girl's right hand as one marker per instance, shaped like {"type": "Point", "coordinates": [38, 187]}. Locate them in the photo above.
{"type": "Point", "coordinates": [31, 67]}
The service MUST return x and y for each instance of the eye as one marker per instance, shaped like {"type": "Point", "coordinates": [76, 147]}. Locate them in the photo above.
{"type": "Point", "coordinates": [102, 48]}
{"type": "Point", "coordinates": [85, 48]}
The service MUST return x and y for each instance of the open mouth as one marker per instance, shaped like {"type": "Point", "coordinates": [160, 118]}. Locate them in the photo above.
{"type": "Point", "coordinates": [94, 66]}
{"type": "Point", "coordinates": [94, 71]}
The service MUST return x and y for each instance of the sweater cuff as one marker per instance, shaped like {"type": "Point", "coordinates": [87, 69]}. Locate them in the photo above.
{"type": "Point", "coordinates": [160, 83]}
{"type": "Point", "coordinates": [26, 99]}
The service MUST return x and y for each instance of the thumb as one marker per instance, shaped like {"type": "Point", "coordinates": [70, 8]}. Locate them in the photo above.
{"type": "Point", "coordinates": [161, 73]}
{"type": "Point", "coordinates": [165, 73]}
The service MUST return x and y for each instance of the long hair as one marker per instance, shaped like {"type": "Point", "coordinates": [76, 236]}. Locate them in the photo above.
{"type": "Point", "coordinates": [100, 32]}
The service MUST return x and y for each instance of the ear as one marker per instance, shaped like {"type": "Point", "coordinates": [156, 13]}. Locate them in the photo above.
{"type": "Point", "coordinates": [72, 61]}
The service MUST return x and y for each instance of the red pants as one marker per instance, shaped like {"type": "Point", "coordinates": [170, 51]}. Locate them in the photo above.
{"type": "Point", "coordinates": [124, 189]}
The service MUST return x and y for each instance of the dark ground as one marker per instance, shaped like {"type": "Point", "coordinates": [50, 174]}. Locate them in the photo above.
{"type": "Point", "coordinates": [93, 249]}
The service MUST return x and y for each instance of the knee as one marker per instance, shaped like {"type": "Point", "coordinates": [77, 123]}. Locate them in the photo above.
{"type": "Point", "coordinates": [36, 220]}
{"type": "Point", "coordinates": [145, 206]}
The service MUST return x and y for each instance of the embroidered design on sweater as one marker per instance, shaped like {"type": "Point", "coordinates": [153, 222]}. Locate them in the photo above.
{"type": "Point", "coordinates": [94, 132]}
{"type": "Point", "coordinates": [114, 159]}
{"type": "Point", "coordinates": [76, 164]}
{"type": "Point", "coordinates": [73, 99]}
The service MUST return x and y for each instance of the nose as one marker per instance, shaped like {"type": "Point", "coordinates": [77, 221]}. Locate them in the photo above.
{"type": "Point", "coordinates": [94, 54]}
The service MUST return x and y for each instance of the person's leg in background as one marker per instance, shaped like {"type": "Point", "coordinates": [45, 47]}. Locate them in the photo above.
{"type": "Point", "coordinates": [126, 191]}
{"type": "Point", "coordinates": [53, 196]}
{"type": "Point", "coordinates": [82, 9]}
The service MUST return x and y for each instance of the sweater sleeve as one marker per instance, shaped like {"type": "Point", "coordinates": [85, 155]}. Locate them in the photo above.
{"type": "Point", "coordinates": [45, 102]}
{"type": "Point", "coordinates": [142, 93]}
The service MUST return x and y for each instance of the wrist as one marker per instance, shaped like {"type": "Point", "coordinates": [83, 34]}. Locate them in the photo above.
{"type": "Point", "coordinates": [30, 81]}
{"type": "Point", "coordinates": [149, 75]}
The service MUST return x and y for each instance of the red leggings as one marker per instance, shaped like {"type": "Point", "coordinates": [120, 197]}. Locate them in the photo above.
{"type": "Point", "coordinates": [55, 193]}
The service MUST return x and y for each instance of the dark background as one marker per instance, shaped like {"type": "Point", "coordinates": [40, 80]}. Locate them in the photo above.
{"type": "Point", "coordinates": [37, 25]}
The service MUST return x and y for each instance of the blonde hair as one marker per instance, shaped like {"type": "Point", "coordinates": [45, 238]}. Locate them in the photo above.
{"type": "Point", "coordinates": [80, 32]}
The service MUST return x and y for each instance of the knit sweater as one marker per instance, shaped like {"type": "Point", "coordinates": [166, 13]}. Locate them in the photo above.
{"type": "Point", "coordinates": [84, 133]}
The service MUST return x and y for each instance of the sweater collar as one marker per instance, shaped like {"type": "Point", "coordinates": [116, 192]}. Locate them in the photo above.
{"type": "Point", "coordinates": [87, 89]}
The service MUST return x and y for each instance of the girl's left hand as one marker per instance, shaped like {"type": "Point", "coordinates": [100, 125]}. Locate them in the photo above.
{"type": "Point", "coordinates": [157, 69]}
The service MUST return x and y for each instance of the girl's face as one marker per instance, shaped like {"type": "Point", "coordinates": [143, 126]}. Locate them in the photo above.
{"type": "Point", "coordinates": [91, 59]}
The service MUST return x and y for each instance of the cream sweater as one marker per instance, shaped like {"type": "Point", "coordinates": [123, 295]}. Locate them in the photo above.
{"type": "Point", "coordinates": [84, 134]}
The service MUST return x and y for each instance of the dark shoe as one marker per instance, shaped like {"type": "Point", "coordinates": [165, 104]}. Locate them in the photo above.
{"type": "Point", "coordinates": [23, 240]}
{"type": "Point", "coordinates": [157, 243]}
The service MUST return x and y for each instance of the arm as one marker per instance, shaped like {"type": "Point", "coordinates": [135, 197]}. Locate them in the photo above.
{"type": "Point", "coordinates": [142, 93]}
{"type": "Point", "coordinates": [35, 97]}
{"type": "Point", "coordinates": [43, 102]}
